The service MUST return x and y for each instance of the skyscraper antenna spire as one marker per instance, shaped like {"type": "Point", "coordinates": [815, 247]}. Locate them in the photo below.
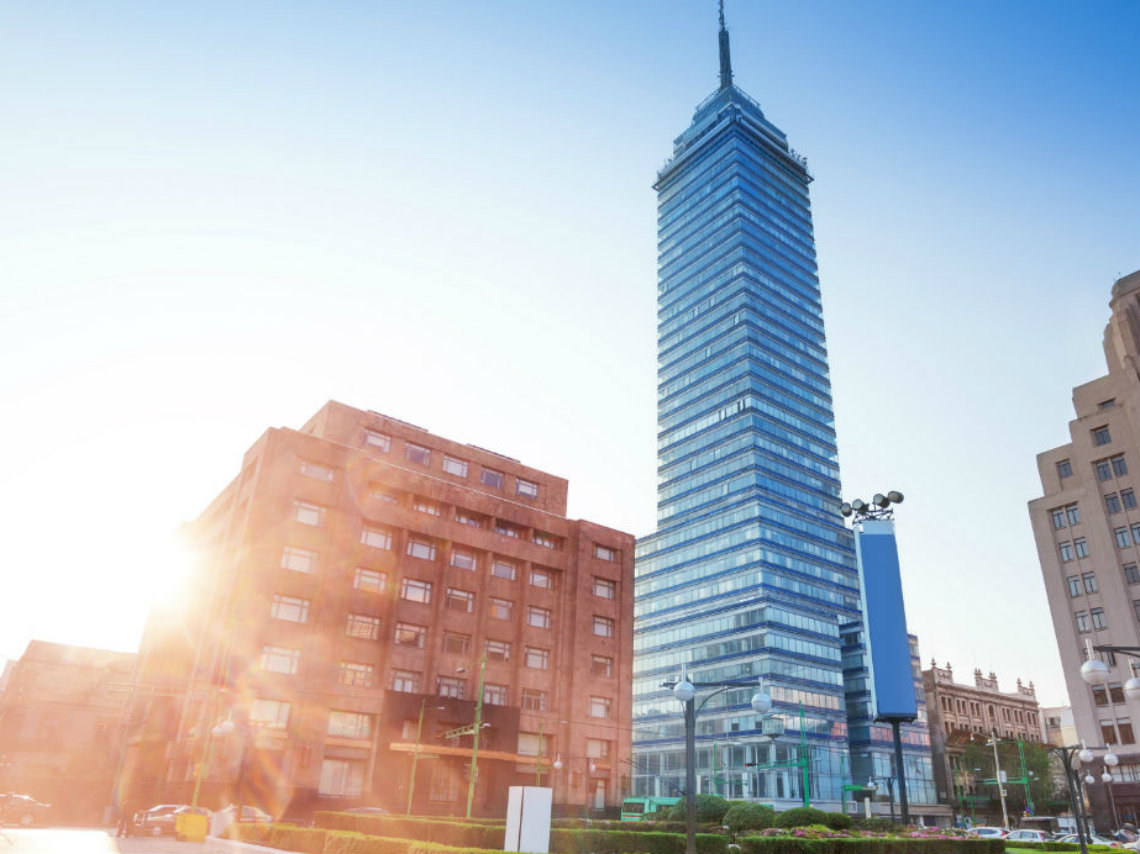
{"type": "Point", "coordinates": [725, 58]}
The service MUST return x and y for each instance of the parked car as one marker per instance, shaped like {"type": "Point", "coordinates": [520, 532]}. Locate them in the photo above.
{"type": "Point", "coordinates": [988, 832]}
{"type": "Point", "coordinates": [248, 813]}
{"type": "Point", "coordinates": [23, 810]}
{"type": "Point", "coordinates": [1094, 839]}
{"type": "Point", "coordinates": [1028, 836]}
{"type": "Point", "coordinates": [156, 821]}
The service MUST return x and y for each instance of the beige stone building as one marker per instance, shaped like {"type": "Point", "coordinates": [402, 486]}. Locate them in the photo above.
{"type": "Point", "coordinates": [1087, 528]}
{"type": "Point", "coordinates": [1058, 723]}
{"type": "Point", "coordinates": [961, 713]}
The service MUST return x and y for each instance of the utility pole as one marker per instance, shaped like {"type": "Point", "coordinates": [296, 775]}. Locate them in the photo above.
{"type": "Point", "coordinates": [993, 742]}
{"type": "Point", "coordinates": [474, 772]}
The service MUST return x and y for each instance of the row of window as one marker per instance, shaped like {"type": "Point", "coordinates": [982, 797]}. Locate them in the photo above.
{"type": "Point", "coordinates": [287, 661]}
{"type": "Point", "coordinates": [451, 465]}
{"type": "Point", "coordinates": [1078, 547]}
{"type": "Point", "coordinates": [1123, 538]}
{"type": "Point", "coordinates": [1114, 503]}
{"type": "Point", "coordinates": [315, 515]}
{"type": "Point", "coordinates": [1110, 736]}
{"type": "Point", "coordinates": [1106, 469]}
{"type": "Point", "coordinates": [375, 581]}
{"type": "Point", "coordinates": [1070, 514]}
{"type": "Point", "coordinates": [296, 610]}
{"type": "Point", "coordinates": [1110, 694]}
{"type": "Point", "coordinates": [1079, 584]}
{"type": "Point", "coordinates": [974, 708]}
{"type": "Point", "coordinates": [1091, 619]}
{"type": "Point", "coordinates": [1109, 468]}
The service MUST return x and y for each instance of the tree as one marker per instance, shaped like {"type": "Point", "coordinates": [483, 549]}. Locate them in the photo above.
{"type": "Point", "coordinates": [977, 755]}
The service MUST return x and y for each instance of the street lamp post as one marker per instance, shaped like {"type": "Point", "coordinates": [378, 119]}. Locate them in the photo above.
{"type": "Point", "coordinates": [1095, 672]}
{"type": "Point", "coordinates": [1083, 755]}
{"type": "Point", "coordinates": [993, 742]}
{"type": "Point", "coordinates": [686, 692]}
{"type": "Point", "coordinates": [890, 781]}
{"type": "Point", "coordinates": [416, 752]}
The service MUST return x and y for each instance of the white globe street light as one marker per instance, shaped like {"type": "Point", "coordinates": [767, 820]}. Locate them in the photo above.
{"type": "Point", "coordinates": [1086, 755]}
{"type": "Point", "coordinates": [684, 691]}
{"type": "Point", "coordinates": [1090, 779]}
{"type": "Point", "coordinates": [1111, 759]}
{"type": "Point", "coordinates": [1094, 672]}
{"type": "Point", "coordinates": [1132, 688]}
{"type": "Point", "coordinates": [1106, 777]}
{"type": "Point", "coordinates": [761, 702]}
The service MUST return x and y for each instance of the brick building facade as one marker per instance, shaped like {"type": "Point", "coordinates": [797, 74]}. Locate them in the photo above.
{"type": "Point", "coordinates": [354, 577]}
{"type": "Point", "coordinates": [59, 726]}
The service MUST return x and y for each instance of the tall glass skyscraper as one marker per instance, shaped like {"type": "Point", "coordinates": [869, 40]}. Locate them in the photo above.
{"type": "Point", "coordinates": [751, 572]}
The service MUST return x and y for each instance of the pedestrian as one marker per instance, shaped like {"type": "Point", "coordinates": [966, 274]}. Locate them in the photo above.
{"type": "Point", "coordinates": [126, 820]}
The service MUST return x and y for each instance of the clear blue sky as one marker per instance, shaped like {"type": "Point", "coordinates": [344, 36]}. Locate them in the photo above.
{"type": "Point", "coordinates": [216, 216]}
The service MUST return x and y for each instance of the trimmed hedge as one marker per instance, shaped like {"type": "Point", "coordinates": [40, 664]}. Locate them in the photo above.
{"type": "Point", "coordinates": [709, 808]}
{"type": "Point", "coordinates": [877, 824]}
{"type": "Point", "coordinates": [801, 817]}
{"type": "Point", "coordinates": [749, 816]}
{"type": "Point", "coordinates": [625, 842]}
{"type": "Point", "coordinates": [460, 834]}
{"type": "Point", "coordinates": [895, 845]}
{"type": "Point", "coordinates": [347, 842]}
{"type": "Point", "coordinates": [1057, 846]}
{"type": "Point", "coordinates": [623, 839]}
{"type": "Point", "coordinates": [839, 821]}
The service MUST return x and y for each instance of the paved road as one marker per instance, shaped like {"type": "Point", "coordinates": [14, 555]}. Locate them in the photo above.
{"type": "Point", "coordinates": [91, 840]}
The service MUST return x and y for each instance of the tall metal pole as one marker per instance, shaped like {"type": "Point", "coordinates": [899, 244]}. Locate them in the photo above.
{"type": "Point", "coordinates": [1000, 781]}
{"type": "Point", "coordinates": [690, 777]}
{"type": "Point", "coordinates": [900, 771]}
{"type": "Point", "coordinates": [538, 764]}
{"type": "Point", "coordinates": [804, 758]}
{"type": "Point", "coordinates": [416, 756]}
{"type": "Point", "coordinates": [1029, 807]}
{"type": "Point", "coordinates": [474, 770]}
{"type": "Point", "coordinates": [1066, 754]}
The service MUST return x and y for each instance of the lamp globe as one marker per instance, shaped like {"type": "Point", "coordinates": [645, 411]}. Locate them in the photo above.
{"type": "Point", "coordinates": [1094, 671]}
{"type": "Point", "coordinates": [684, 691]}
{"type": "Point", "coordinates": [761, 702]}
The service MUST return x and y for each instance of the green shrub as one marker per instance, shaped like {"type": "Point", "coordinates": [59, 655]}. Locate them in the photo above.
{"type": "Point", "coordinates": [348, 842]}
{"type": "Point", "coordinates": [749, 816]}
{"type": "Point", "coordinates": [292, 838]}
{"type": "Point", "coordinates": [583, 841]}
{"type": "Point", "coordinates": [801, 817]}
{"type": "Point", "coordinates": [877, 824]}
{"type": "Point", "coordinates": [455, 832]}
{"type": "Point", "coordinates": [838, 821]}
{"type": "Point", "coordinates": [896, 845]}
{"type": "Point", "coordinates": [710, 808]}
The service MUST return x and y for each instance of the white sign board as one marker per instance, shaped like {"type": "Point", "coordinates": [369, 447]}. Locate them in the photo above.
{"type": "Point", "coordinates": [528, 819]}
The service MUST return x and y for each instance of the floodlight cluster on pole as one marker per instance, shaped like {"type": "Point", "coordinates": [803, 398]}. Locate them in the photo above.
{"type": "Point", "coordinates": [879, 508]}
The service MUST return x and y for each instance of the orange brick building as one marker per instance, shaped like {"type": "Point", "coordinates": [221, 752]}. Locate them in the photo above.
{"type": "Point", "coordinates": [354, 576]}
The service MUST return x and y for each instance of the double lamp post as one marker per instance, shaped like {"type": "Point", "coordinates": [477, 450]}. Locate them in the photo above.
{"type": "Point", "coordinates": [686, 692]}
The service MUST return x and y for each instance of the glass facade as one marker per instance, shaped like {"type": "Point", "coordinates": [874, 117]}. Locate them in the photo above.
{"type": "Point", "coordinates": [751, 572]}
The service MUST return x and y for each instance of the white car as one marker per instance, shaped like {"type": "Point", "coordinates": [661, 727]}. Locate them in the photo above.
{"type": "Point", "coordinates": [988, 832]}
{"type": "Point", "coordinates": [1028, 836]}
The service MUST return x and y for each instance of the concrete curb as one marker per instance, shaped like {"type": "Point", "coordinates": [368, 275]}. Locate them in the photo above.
{"type": "Point", "coordinates": [218, 845]}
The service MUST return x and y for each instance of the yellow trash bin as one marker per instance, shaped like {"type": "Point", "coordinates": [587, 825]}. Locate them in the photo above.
{"type": "Point", "coordinates": [191, 827]}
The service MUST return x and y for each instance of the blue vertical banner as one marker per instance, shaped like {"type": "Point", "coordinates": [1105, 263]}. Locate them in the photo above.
{"type": "Point", "coordinates": [884, 621]}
